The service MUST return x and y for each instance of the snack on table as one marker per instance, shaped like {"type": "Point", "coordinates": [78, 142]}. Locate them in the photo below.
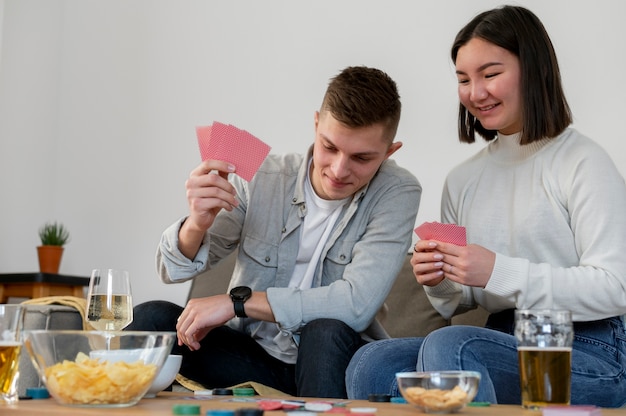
{"type": "Point", "coordinates": [91, 381]}
{"type": "Point", "coordinates": [436, 399]}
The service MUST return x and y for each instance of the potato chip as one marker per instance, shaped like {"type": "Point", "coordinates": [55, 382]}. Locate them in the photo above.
{"type": "Point", "coordinates": [89, 381]}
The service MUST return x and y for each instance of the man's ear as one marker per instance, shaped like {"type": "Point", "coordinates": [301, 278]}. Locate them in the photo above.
{"type": "Point", "coordinates": [393, 148]}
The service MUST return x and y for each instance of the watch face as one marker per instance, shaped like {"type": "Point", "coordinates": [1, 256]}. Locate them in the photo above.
{"type": "Point", "coordinates": [241, 292]}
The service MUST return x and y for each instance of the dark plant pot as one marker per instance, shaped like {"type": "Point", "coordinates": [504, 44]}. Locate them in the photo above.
{"type": "Point", "coordinates": [49, 258]}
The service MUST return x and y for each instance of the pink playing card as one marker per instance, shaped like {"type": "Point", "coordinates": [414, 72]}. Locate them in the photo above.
{"type": "Point", "coordinates": [233, 145]}
{"type": "Point", "coordinates": [204, 137]}
{"type": "Point", "coordinates": [574, 410]}
{"type": "Point", "coordinates": [448, 233]}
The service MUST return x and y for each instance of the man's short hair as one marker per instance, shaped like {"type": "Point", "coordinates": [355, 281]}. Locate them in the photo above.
{"type": "Point", "coordinates": [360, 97]}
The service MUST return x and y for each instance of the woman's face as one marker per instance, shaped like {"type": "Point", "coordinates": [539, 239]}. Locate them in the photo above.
{"type": "Point", "coordinates": [489, 85]}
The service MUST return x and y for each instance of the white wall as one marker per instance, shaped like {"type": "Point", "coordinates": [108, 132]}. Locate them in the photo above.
{"type": "Point", "coordinates": [99, 101]}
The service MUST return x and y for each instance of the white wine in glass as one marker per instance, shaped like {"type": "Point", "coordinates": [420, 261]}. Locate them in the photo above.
{"type": "Point", "coordinates": [109, 301]}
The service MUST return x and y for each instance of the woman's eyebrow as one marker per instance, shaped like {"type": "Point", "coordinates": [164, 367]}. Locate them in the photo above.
{"type": "Point", "coordinates": [482, 67]}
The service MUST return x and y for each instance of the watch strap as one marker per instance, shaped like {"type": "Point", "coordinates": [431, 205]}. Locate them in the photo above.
{"type": "Point", "coordinates": [240, 311]}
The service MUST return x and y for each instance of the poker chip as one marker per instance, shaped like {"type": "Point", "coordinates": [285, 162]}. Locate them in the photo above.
{"type": "Point", "coordinates": [248, 411]}
{"type": "Point", "coordinates": [220, 412]}
{"type": "Point", "coordinates": [479, 404]}
{"type": "Point", "coordinates": [186, 409]}
{"type": "Point", "coordinates": [244, 391]}
{"type": "Point", "coordinates": [37, 393]}
{"type": "Point", "coordinates": [398, 399]}
{"type": "Point", "coordinates": [270, 404]}
{"type": "Point", "coordinates": [379, 398]}
{"type": "Point", "coordinates": [342, 410]}
{"type": "Point", "coordinates": [318, 406]}
{"type": "Point", "coordinates": [222, 392]}
{"type": "Point", "coordinates": [363, 410]}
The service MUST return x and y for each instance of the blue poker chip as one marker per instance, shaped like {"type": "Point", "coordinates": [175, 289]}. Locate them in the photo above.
{"type": "Point", "coordinates": [37, 392]}
{"type": "Point", "coordinates": [398, 399]}
{"type": "Point", "coordinates": [220, 412]}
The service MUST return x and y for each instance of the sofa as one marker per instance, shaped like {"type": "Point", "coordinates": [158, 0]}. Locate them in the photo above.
{"type": "Point", "coordinates": [408, 311]}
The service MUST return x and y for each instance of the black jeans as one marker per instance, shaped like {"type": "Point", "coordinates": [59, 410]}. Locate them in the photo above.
{"type": "Point", "coordinates": [228, 357]}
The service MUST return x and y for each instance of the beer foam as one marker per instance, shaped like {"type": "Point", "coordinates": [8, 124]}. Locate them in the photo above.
{"type": "Point", "coordinates": [533, 348]}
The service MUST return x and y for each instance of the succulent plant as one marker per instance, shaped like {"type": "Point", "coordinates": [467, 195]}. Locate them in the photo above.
{"type": "Point", "coordinates": [53, 234]}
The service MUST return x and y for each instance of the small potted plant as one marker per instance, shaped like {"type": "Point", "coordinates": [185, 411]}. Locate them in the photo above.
{"type": "Point", "coordinates": [53, 236]}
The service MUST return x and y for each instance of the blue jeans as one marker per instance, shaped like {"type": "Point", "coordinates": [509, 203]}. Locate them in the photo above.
{"type": "Point", "coordinates": [373, 368]}
{"type": "Point", "coordinates": [598, 362]}
{"type": "Point", "coordinates": [228, 357]}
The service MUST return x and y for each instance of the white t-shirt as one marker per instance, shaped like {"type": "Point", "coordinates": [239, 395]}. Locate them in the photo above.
{"type": "Point", "coordinates": [318, 223]}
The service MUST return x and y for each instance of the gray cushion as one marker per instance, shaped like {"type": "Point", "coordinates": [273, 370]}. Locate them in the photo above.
{"type": "Point", "coordinates": [44, 317]}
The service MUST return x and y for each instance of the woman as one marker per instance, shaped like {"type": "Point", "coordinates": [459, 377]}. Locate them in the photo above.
{"type": "Point", "coordinates": [543, 207]}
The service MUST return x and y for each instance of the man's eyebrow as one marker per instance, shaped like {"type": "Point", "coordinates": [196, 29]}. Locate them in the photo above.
{"type": "Point", "coordinates": [482, 67]}
{"type": "Point", "coordinates": [330, 142]}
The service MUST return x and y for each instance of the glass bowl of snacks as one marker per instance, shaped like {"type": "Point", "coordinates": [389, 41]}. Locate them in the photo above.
{"type": "Point", "coordinates": [98, 368]}
{"type": "Point", "coordinates": [438, 391]}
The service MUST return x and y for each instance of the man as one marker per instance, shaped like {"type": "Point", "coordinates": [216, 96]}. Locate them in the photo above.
{"type": "Point", "coordinates": [320, 239]}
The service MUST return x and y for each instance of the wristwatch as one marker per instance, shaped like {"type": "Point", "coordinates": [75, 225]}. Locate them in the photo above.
{"type": "Point", "coordinates": [240, 295]}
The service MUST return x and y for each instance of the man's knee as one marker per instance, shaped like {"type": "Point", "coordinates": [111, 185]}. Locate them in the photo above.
{"type": "Point", "coordinates": [329, 335]}
{"type": "Point", "coordinates": [326, 328]}
{"type": "Point", "coordinates": [156, 315]}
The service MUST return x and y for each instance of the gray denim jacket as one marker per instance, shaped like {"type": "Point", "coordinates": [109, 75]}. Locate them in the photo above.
{"type": "Point", "coordinates": [357, 268]}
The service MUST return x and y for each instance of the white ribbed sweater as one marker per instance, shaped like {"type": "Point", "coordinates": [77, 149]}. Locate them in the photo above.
{"type": "Point", "coordinates": [554, 212]}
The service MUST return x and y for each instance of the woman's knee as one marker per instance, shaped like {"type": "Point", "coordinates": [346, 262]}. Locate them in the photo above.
{"type": "Point", "coordinates": [455, 346]}
{"type": "Point", "coordinates": [396, 354]}
{"type": "Point", "coordinates": [368, 357]}
{"type": "Point", "coordinates": [374, 366]}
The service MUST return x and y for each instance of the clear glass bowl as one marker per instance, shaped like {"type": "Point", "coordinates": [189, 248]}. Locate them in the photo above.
{"type": "Point", "coordinates": [438, 391]}
{"type": "Point", "coordinates": [98, 369]}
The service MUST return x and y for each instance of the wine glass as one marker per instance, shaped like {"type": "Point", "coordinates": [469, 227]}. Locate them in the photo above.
{"type": "Point", "coordinates": [109, 301]}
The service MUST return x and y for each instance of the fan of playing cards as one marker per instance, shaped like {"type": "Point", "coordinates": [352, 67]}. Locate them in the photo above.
{"type": "Point", "coordinates": [228, 143]}
{"type": "Point", "coordinates": [448, 233]}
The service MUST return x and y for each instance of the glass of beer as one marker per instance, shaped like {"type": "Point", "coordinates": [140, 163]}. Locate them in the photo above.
{"type": "Point", "coordinates": [11, 323]}
{"type": "Point", "coordinates": [544, 348]}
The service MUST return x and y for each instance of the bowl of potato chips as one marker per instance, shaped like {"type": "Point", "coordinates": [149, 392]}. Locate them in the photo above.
{"type": "Point", "coordinates": [438, 391]}
{"type": "Point", "coordinates": [98, 369]}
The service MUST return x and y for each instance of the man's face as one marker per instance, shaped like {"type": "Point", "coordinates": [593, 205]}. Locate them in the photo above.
{"type": "Point", "coordinates": [345, 159]}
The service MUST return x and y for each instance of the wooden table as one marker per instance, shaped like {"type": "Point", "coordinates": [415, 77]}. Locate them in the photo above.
{"type": "Point", "coordinates": [37, 285]}
{"type": "Point", "coordinates": [163, 403]}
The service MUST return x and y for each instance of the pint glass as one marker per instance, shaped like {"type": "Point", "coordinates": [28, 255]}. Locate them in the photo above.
{"type": "Point", "coordinates": [544, 348]}
{"type": "Point", "coordinates": [11, 322]}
